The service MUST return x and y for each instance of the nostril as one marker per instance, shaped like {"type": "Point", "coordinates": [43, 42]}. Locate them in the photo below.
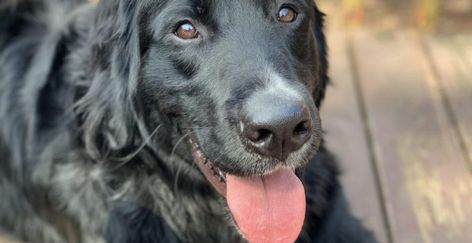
{"type": "Point", "coordinates": [261, 135]}
{"type": "Point", "coordinates": [302, 128]}
{"type": "Point", "coordinates": [264, 134]}
{"type": "Point", "coordinates": [255, 133]}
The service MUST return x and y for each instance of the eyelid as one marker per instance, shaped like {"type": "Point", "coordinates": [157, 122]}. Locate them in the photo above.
{"type": "Point", "coordinates": [290, 5]}
{"type": "Point", "coordinates": [182, 22]}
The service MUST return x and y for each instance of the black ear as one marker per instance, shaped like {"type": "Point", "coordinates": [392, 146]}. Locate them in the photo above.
{"type": "Point", "coordinates": [322, 56]}
{"type": "Point", "coordinates": [109, 116]}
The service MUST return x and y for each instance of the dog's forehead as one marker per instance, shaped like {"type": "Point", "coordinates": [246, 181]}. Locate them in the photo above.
{"type": "Point", "coordinates": [229, 7]}
{"type": "Point", "coordinates": [262, 5]}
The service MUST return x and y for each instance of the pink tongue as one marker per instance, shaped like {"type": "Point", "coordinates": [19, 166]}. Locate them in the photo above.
{"type": "Point", "coordinates": [269, 208]}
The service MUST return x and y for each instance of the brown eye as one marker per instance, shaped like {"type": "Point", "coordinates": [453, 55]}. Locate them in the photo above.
{"type": "Point", "coordinates": [287, 15]}
{"type": "Point", "coordinates": [186, 31]}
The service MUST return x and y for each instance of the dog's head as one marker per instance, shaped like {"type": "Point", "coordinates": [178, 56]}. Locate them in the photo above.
{"type": "Point", "coordinates": [231, 86]}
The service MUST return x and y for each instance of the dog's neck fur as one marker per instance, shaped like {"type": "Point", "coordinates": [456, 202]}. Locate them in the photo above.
{"type": "Point", "coordinates": [99, 188]}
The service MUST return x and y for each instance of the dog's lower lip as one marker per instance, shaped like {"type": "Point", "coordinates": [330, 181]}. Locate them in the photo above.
{"type": "Point", "coordinates": [217, 173]}
{"type": "Point", "coordinates": [216, 177]}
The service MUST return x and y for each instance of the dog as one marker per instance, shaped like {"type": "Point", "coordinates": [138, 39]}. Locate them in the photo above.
{"type": "Point", "coordinates": [167, 121]}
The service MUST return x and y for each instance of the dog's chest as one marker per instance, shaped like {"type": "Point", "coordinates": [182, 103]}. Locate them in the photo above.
{"type": "Point", "coordinates": [171, 216]}
{"type": "Point", "coordinates": [200, 220]}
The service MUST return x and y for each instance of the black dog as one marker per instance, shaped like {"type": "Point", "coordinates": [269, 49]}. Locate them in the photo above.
{"type": "Point", "coordinates": [166, 121]}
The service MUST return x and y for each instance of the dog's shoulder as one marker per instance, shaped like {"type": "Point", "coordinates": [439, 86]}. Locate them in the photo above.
{"type": "Point", "coordinates": [132, 223]}
{"type": "Point", "coordinates": [340, 226]}
{"type": "Point", "coordinates": [329, 219]}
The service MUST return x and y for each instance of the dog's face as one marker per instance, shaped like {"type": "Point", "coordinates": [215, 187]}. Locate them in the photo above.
{"type": "Point", "coordinates": [239, 79]}
{"type": "Point", "coordinates": [235, 86]}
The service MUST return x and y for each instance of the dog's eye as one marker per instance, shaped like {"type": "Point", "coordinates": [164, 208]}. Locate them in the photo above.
{"type": "Point", "coordinates": [287, 14]}
{"type": "Point", "coordinates": [186, 31]}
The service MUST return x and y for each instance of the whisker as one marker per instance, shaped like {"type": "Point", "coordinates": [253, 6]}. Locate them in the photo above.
{"type": "Point", "coordinates": [132, 155]}
{"type": "Point", "coordinates": [179, 168]}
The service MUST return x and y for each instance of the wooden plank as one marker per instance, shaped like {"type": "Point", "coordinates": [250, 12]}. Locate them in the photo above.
{"type": "Point", "coordinates": [6, 239]}
{"type": "Point", "coordinates": [345, 138]}
{"type": "Point", "coordinates": [428, 190]}
{"type": "Point", "coordinates": [452, 59]}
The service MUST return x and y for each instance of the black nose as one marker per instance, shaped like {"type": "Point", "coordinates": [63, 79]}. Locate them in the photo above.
{"type": "Point", "coordinates": [276, 126]}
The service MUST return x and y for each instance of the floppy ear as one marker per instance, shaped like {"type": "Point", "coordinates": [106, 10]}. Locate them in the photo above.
{"type": "Point", "coordinates": [322, 54]}
{"type": "Point", "coordinates": [109, 116]}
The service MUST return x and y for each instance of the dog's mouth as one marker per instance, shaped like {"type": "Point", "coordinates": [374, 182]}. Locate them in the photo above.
{"type": "Point", "coordinates": [214, 175]}
{"type": "Point", "coordinates": [266, 208]}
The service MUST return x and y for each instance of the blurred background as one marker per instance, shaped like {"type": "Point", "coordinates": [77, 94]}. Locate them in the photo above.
{"type": "Point", "coordinates": [399, 115]}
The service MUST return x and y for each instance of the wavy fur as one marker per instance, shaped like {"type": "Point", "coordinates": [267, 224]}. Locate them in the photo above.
{"type": "Point", "coordinates": [87, 157]}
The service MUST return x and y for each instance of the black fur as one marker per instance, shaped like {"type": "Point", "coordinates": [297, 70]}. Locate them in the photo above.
{"type": "Point", "coordinates": [97, 103]}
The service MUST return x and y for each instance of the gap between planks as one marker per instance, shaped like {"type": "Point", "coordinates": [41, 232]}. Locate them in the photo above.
{"type": "Point", "coordinates": [369, 136]}
{"type": "Point", "coordinates": [446, 100]}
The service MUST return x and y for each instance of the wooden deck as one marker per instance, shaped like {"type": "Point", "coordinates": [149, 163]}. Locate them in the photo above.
{"type": "Point", "coordinates": [399, 118]}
